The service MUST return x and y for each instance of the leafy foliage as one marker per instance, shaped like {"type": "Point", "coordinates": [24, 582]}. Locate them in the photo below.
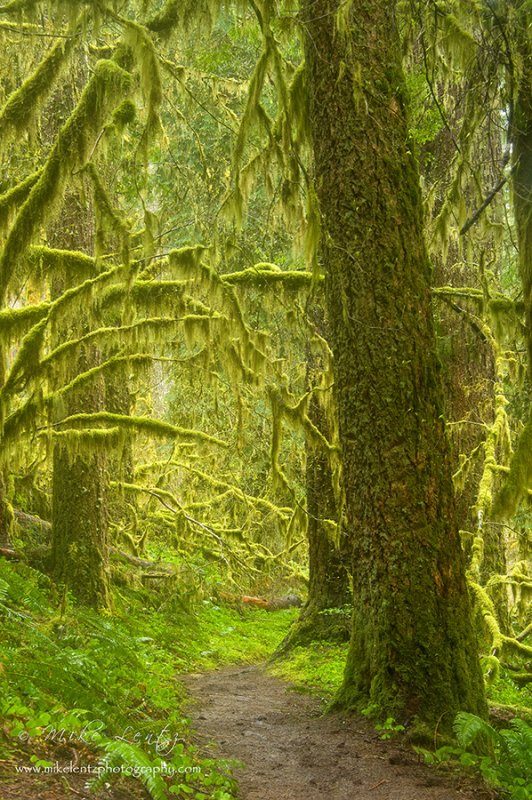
{"type": "Point", "coordinates": [503, 757]}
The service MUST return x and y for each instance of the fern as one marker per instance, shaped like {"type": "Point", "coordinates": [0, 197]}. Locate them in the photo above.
{"type": "Point", "coordinates": [518, 744]}
{"type": "Point", "coordinates": [135, 762]}
{"type": "Point", "coordinates": [468, 728]}
{"type": "Point", "coordinates": [505, 759]}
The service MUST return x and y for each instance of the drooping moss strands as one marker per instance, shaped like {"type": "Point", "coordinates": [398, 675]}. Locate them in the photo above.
{"type": "Point", "coordinates": [104, 91]}
{"type": "Point", "coordinates": [245, 353]}
{"type": "Point", "coordinates": [138, 39]}
{"type": "Point", "coordinates": [26, 361]}
{"type": "Point", "coordinates": [72, 262]}
{"type": "Point", "coordinates": [126, 334]}
{"type": "Point", "coordinates": [518, 482]}
{"type": "Point", "coordinates": [108, 219]}
{"type": "Point", "coordinates": [252, 115]}
{"type": "Point", "coordinates": [26, 102]}
{"type": "Point", "coordinates": [109, 366]}
{"type": "Point", "coordinates": [24, 368]}
{"type": "Point", "coordinates": [166, 19]}
{"type": "Point", "coordinates": [14, 197]}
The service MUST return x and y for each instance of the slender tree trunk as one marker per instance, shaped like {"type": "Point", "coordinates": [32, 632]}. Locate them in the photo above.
{"type": "Point", "coordinates": [520, 477]}
{"type": "Point", "coordinates": [5, 517]}
{"type": "Point", "coordinates": [79, 511]}
{"type": "Point", "coordinates": [79, 486]}
{"type": "Point", "coordinates": [5, 514]}
{"type": "Point", "coordinates": [413, 651]}
{"type": "Point", "coordinates": [326, 614]}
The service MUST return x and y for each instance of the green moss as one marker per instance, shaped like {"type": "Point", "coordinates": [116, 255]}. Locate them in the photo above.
{"type": "Point", "coordinates": [105, 89]}
{"type": "Point", "coordinates": [166, 18]}
{"type": "Point", "coordinates": [13, 321]}
{"type": "Point", "coordinates": [125, 114]}
{"type": "Point", "coordinates": [519, 480]}
{"type": "Point", "coordinates": [318, 667]}
{"type": "Point", "coordinates": [143, 424]}
{"type": "Point", "coordinates": [10, 200]}
{"type": "Point", "coordinates": [264, 276]}
{"type": "Point", "coordinates": [26, 102]}
{"type": "Point", "coordinates": [73, 262]}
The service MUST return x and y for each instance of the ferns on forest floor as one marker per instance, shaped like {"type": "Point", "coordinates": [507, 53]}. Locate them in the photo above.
{"type": "Point", "coordinates": [105, 682]}
{"type": "Point", "coordinates": [503, 757]}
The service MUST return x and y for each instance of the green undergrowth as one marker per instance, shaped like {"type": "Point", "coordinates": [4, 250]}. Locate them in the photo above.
{"type": "Point", "coordinates": [503, 757]}
{"type": "Point", "coordinates": [317, 669]}
{"type": "Point", "coordinates": [107, 684]}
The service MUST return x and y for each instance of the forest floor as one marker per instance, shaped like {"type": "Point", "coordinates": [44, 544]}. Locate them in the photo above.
{"type": "Point", "coordinates": [289, 749]}
{"type": "Point", "coordinates": [282, 745]}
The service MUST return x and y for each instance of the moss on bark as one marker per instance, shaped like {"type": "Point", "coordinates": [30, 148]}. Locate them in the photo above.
{"type": "Point", "coordinates": [413, 651]}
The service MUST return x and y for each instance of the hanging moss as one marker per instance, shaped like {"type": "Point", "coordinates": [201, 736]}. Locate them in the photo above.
{"type": "Point", "coordinates": [10, 200]}
{"type": "Point", "coordinates": [124, 115]}
{"type": "Point", "coordinates": [27, 359]}
{"type": "Point", "coordinates": [13, 321]}
{"type": "Point", "coordinates": [166, 19]}
{"type": "Point", "coordinates": [497, 442]}
{"type": "Point", "coordinates": [68, 154]}
{"type": "Point", "coordinates": [109, 366]}
{"type": "Point", "coordinates": [26, 102]}
{"type": "Point", "coordinates": [109, 221]}
{"type": "Point", "coordinates": [71, 262]}
{"type": "Point", "coordinates": [137, 38]}
{"type": "Point", "coordinates": [519, 479]}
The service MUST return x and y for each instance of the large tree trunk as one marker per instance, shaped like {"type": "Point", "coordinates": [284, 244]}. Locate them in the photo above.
{"type": "Point", "coordinates": [413, 650]}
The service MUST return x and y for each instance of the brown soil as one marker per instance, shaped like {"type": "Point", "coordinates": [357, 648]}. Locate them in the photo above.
{"type": "Point", "coordinates": [290, 750]}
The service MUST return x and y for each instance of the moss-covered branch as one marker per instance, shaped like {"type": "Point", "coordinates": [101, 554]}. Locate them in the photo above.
{"type": "Point", "coordinates": [104, 91]}
{"type": "Point", "coordinates": [268, 275]}
{"type": "Point", "coordinates": [25, 103]}
{"type": "Point", "coordinates": [147, 425]}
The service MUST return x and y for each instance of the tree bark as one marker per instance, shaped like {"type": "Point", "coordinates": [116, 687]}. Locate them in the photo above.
{"type": "Point", "coordinates": [413, 651]}
{"type": "Point", "coordinates": [79, 511]}
{"type": "Point", "coordinates": [326, 614]}
{"type": "Point", "coordinates": [79, 488]}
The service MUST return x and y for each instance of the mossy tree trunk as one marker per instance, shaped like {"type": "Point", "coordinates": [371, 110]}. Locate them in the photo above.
{"type": "Point", "coordinates": [5, 514]}
{"type": "Point", "coordinates": [413, 651]}
{"type": "Point", "coordinates": [5, 517]}
{"type": "Point", "coordinates": [519, 479]}
{"type": "Point", "coordinates": [79, 486]}
{"type": "Point", "coordinates": [79, 510]}
{"type": "Point", "coordinates": [118, 401]}
{"type": "Point", "coordinates": [326, 614]}
{"type": "Point", "coordinates": [521, 137]}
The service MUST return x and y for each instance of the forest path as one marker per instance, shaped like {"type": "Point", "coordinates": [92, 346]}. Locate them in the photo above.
{"type": "Point", "coordinates": [292, 752]}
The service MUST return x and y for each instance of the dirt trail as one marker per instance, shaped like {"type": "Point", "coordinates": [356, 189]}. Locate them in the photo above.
{"type": "Point", "coordinates": [292, 752]}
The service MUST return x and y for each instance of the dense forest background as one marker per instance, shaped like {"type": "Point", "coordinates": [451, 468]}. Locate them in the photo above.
{"type": "Point", "coordinates": [242, 353]}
